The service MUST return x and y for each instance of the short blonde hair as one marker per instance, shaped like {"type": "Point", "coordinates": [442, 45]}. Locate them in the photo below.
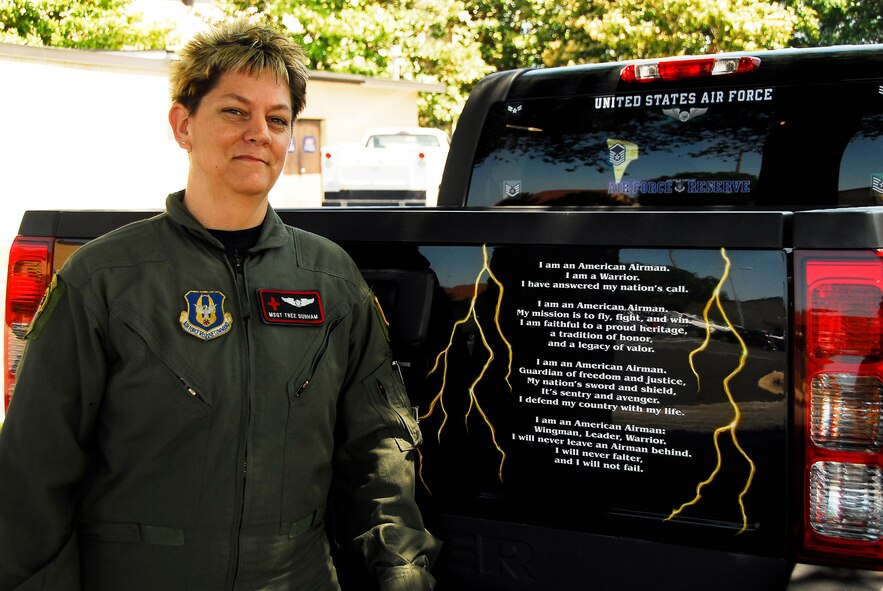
{"type": "Point", "coordinates": [237, 46]}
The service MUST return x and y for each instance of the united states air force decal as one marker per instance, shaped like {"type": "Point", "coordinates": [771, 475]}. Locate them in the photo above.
{"type": "Point", "coordinates": [204, 317]}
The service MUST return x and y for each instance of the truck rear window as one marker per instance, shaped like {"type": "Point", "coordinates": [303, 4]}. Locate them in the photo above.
{"type": "Point", "coordinates": [715, 146]}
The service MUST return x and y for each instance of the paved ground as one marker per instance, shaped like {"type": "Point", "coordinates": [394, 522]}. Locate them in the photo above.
{"type": "Point", "coordinates": [817, 578]}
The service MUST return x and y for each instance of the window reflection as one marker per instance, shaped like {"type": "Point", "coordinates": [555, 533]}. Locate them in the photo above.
{"type": "Point", "coordinates": [782, 152]}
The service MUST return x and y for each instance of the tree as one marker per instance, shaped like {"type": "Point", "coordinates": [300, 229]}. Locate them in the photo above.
{"type": "Point", "coordinates": [524, 33]}
{"type": "Point", "coordinates": [82, 24]}
{"type": "Point", "coordinates": [847, 21]}
{"type": "Point", "coordinates": [422, 40]}
{"type": "Point", "coordinates": [514, 33]}
{"type": "Point", "coordinates": [628, 29]}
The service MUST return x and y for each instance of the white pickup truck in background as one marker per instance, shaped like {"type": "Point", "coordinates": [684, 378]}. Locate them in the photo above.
{"type": "Point", "coordinates": [391, 166]}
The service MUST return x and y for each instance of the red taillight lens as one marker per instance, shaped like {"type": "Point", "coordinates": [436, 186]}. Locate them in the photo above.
{"type": "Point", "coordinates": [839, 298]}
{"type": "Point", "coordinates": [845, 318]}
{"type": "Point", "coordinates": [29, 274]}
{"type": "Point", "coordinates": [687, 68]}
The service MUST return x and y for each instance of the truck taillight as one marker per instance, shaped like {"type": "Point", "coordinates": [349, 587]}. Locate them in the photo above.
{"type": "Point", "coordinates": [29, 275]}
{"type": "Point", "coordinates": [839, 321]}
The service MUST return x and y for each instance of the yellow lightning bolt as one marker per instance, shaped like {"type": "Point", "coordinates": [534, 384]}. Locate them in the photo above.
{"type": "Point", "coordinates": [442, 360]}
{"type": "Point", "coordinates": [737, 413]}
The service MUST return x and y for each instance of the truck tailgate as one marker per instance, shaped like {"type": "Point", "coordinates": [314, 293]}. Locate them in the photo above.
{"type": "Point", "coordinates": [593, 387]}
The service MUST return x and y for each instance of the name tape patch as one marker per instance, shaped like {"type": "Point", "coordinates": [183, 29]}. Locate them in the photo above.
{"type": "Point", "coordinates": [291, 307]}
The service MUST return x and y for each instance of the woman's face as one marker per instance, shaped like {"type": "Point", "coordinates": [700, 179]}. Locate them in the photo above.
{"type": "Point", "coordinates": [239, 135]}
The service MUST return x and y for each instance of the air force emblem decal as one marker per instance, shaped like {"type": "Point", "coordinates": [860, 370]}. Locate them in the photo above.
{"type": "Point", "coordinates": [204, 317]}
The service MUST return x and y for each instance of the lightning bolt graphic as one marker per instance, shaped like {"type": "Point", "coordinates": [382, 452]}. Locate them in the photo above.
{"type": "Point", "coordinates": [442, 361]}
{"type": "Point", "coordinates": [732, 426]}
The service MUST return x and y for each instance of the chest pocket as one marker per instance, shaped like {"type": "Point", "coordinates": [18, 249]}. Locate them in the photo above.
{"type": "Point", "coordinates": [309, 369]}
{"type": "Point", "coordinates": [150, 361]}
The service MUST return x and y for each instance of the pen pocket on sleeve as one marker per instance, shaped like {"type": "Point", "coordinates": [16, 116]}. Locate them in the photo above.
{"type": "Point", "coordinates": [389, 399]}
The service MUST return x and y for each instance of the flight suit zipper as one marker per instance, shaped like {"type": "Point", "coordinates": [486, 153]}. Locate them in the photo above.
{"type": "Point", "coordinates": [240, 281]}
{"type": "Point", "coordinates": [190, 389]}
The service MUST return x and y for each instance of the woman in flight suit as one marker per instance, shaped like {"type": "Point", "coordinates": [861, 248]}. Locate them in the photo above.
{"type": "Point", "coordinates": [212, 368]}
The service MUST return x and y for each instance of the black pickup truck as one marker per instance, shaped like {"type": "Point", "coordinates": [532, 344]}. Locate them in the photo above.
{"type": "Point", "coordinates": [643, 328]}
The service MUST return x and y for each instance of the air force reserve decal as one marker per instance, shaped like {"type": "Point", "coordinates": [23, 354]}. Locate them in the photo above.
{"type": "Point", "coordinates": [291, 307]}
{"type": "Point", "coordinates": [204, 317]}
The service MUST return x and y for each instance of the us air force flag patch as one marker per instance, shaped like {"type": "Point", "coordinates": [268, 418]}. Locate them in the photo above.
{"type": "Point", "coordinates": [877, 187]}
{"type": "Point", "coordinates": [204, 317]}
{"type": "Point", "coordinates": [291, 307]}
{"type": "Point", "coordinates": [50, 300]}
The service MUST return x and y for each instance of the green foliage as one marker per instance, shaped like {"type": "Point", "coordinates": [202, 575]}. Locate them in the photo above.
{"type": "Point", "coordinates": [651, 28]}
{"type": "Point", "coordinates": [515, 33]}
{"type": "Point", "coordinates": [82, 24]}
{"type": "Point", "coordinates": [848, 21]}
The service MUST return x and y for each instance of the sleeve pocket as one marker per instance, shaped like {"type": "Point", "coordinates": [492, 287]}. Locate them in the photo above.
{"type": "Point", "coordinates": [389, 399]}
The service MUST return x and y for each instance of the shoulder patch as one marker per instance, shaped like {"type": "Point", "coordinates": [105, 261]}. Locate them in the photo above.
{"type": "Point", "coordinates": [378, 309]}
{"type": "Point", "coordinates": [54, 293]}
